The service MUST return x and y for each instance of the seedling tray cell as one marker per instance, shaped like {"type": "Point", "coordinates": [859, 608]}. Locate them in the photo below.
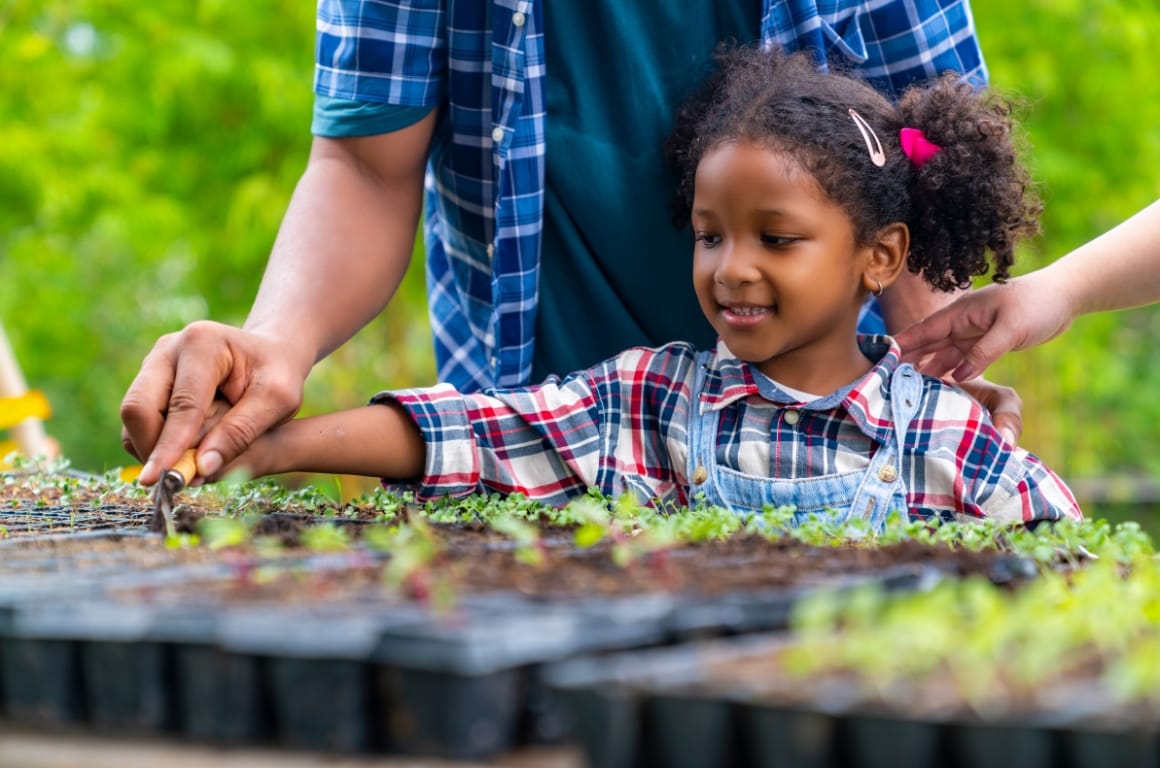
{"type": "Point", "coordinates": [606, 721]}
{"type": "Point", "coordinates": [123, 678]}
{"type": "Point", "coordinates": [460, 716]}
{"type": "Point", "coordinates": [322, 704]}
{"type": "Point", "coordinates": [1003, 746]}
{"type": "Point", "coordinates": [689, 732]}
{"type": "Point", "coordinates": [215, 695]}
{"type": "Point", "coordinates": [221, 696]}
{"type": "Point", "coordinates": [1098, 748]}
{"type": "Point", "coordinates": [313, 668]}
{"type": "Point", "coordinates": [129, 686]}
{"type": "Point", "coordinates": [41, 680]}
{"type": "Point", "coordinates": [887, 742]}
{"type": "Point", "coordinates": [789, 738]}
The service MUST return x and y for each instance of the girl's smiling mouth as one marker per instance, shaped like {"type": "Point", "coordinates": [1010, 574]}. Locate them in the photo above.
{"type": "Point", "coordinates": [744, 315]}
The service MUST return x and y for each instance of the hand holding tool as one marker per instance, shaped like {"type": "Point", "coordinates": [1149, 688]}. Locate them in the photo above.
{"type": "Point", "coordinates": [172, 480]}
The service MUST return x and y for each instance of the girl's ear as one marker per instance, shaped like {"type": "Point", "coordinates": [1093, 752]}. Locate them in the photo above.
{"type": "Point", "coordinates": [887, 257]}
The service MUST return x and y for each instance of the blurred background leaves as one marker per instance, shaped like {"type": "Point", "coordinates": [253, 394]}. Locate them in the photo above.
{"type": "Point", "coordinates": [148, 151]}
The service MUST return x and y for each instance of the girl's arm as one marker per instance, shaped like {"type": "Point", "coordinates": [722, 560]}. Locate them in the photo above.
{"type": "Point", "coordinates": [374, 440]}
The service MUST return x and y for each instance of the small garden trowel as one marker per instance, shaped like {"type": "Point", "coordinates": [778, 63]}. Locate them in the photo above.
{"type": "Point", "coordinates": [172, 480]}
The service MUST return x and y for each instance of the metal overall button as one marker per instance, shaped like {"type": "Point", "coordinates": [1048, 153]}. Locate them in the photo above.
{"type": "Point", "coordinates": [700, 475]}
{"type": "Point", "coordinates": [888, 474]}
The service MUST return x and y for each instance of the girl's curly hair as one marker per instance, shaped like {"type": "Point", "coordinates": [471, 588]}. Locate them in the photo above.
{"type": "Point", "coordinates": [974, 196]}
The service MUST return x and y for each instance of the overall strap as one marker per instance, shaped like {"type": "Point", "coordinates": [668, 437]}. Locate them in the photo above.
{"type": "Point", "coordinates": [883, 478]}
{"type": "Point", "coordinates": [905, 399]}
{"type": "Point", "coordinates": [702, 437]}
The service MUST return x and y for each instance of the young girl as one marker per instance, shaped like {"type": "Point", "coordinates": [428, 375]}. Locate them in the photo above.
{"type": "Point", "coordinates": [805, 192]}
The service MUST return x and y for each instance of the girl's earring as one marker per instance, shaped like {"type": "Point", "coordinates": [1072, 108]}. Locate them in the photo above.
{"type": "Point", "coordinates": [880, 290]}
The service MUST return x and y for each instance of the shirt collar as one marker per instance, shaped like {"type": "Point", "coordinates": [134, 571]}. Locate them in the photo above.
{"type": "Point", "coordinates": [866, 401]}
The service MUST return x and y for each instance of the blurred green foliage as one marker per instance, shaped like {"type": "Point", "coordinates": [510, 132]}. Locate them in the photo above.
{"type": "Point", "coordinates": [148, 151]}
{"type": "Point", "coordinates": [1086, 72]}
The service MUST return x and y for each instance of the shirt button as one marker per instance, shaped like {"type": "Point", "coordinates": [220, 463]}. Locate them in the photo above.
{"type": "Point", "coordinates": [792, 417]}
{"type": "Point", "coordinates": [490, 250]}
{"type": "Point", "coordinates": [497, 134]}
{"type": "Point", "coordinates": [888, 474]}
{"type": "Point", "coordinates": [700, 475]}
{"type": "Point", "coordinates": [518, 19]}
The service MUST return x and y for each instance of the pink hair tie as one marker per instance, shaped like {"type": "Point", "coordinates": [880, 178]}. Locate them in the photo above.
{"type": "Point", "coordinates": [917, 146]}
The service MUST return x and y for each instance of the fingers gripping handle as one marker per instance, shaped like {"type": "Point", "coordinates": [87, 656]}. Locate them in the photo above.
{"type": "Point", "coordinates": [182, 473]}
{"type": "Point", "coordinates": [172, 480]}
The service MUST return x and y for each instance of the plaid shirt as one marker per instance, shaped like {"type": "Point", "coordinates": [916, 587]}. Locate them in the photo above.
{"type": "Point", "coordinates": [483, 64]}
{"type": "Point", "coordinates": [623, 426]}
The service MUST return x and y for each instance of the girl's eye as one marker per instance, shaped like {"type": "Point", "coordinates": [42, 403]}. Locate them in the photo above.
{"type": "Point", "coordinates": [708, 239]}
{"type": "Point", "coordinates": [777, 239]}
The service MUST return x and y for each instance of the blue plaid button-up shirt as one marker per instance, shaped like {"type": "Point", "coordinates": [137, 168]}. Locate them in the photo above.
{"type": "Point", "coordinates": [482, 63]}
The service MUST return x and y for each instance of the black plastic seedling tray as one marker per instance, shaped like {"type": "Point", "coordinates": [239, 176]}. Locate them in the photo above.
{"type": "Point", "coordinates": [369, 676]}
{"type": "Point", "coordinates": [92, 635]}
{"type": "Point", "coordinates": [660, 707]}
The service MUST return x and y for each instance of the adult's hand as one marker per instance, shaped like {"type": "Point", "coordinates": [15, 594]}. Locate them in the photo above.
{"type": "Point", "coordinates": [340, 254]}
{"type": "Point", "coordinates": [966, 336]}
{"type": "Point", "coordinates": [213, 386]}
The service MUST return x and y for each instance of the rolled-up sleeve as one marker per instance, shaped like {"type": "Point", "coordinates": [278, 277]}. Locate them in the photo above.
{"type": "Point", "coordinates": [544, 441]}
{"type": "Point", "coordinates": [624, 418]}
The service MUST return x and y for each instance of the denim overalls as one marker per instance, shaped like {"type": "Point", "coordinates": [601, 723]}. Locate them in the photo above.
{"type": "Point", "coordinates": [864, 494]}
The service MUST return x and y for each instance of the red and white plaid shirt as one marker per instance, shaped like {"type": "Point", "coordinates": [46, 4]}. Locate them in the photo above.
{"type": "Point", "coordinates": [623, 425]}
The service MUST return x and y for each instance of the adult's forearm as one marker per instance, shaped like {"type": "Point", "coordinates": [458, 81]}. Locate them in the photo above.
{"type": "Point", "coordinates": [345, 242]}
{"type": "Point", "coordinates": [1119, 269]}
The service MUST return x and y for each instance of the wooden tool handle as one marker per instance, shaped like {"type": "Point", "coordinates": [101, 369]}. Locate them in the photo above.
{"type": "Point", "coordinates": [186, 466]}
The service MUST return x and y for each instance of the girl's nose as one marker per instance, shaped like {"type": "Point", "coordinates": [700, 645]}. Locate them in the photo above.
{"type": "Point", "coordinates": [736, 266]}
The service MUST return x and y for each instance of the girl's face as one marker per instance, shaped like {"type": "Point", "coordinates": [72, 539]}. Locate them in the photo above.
{"type": "Point", "coordinates": [776, 268]}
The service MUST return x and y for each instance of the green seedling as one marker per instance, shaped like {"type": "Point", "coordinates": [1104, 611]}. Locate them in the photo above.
{"type": "Point", "coordinates": [529, 548]}
{"type": "Point", "coordinates": [325, 537]}
{"type": "Point", "coordinates": [593, 518]}
{"type": "Point", "coordinates": [413, 548]}
{"type": "Point", "coordinates": [219, 532]}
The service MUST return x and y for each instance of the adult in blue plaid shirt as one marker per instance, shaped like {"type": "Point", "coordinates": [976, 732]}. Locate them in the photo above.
{"type": "Point", "coordinates": [449, 110]}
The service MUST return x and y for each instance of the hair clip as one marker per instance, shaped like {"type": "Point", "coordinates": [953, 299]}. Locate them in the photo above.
{"type": "Point", "coordinates": [917, 146]}
{"type": "Point", "coordinates": [877, 154]}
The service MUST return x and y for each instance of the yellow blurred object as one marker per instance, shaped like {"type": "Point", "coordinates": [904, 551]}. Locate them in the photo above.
{"type": "Point", "coordinates": [30, 405]}
{"type": "Point", "coordinates": [130, 474]}
{"type": "Point", "coordinates": [21, 410]}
